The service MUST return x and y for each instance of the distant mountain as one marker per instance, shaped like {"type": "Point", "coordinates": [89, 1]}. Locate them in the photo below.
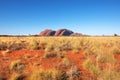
{"type": "Point", "coordinates": [60, 32]}
{"type": "Point", "coordinates": [47, 32]}
{"type": "Point", "coordinates": [63, 32]}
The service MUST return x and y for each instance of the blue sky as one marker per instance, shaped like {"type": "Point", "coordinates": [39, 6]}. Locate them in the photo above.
{"type": "Point", "coordinates": [93, 17]}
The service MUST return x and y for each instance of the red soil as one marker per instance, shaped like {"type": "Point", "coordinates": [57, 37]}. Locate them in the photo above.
{"type": "Point", "coordinates": [33, 59]}
{"type": "Point", "coordinates": [78, 59]}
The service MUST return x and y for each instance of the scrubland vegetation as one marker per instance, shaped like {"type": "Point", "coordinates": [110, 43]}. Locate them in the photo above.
{"type": "Point", "coordinates": [62, 58]}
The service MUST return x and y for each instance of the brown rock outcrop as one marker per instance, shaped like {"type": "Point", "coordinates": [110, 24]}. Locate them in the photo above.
{"type": "Point", "coordinates": [47, 32]}
{"type": "Point", "coordinates": [60, 32]}
{"type": "Point", "coordinates": [63, 32]}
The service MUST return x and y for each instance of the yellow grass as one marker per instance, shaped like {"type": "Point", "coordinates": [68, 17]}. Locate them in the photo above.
{"type": "Point", "coordinates": [101, 48]}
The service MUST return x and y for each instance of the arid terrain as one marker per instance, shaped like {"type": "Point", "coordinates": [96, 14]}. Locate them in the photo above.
{"type": "Point", "coordinates": [60, 58]}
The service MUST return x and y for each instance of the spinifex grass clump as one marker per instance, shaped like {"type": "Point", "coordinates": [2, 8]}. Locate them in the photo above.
{"type": "Point", "coordinates": [50, 54]}
{"type": "Point", "coordinates": [105, 55]}
{"type": "Point", "coordinates": [50, 47]}
{"type": "Point", "coordinates": [74, 73]}
{"type": "Point", "coordinates": [88, 64]}
{"type": "Point", "coordinates": [48, 75]}
{"type": "Point", "coordinates": [66, 62]}
{"type": "Point", "coordinates": [17, 76]}
{"type": "Point", "coordinates": [33, 45]}
{"type": "Point", "coordinates": [17, 66]}
{"type": "Point", "coordinates": [109, 74]}
{"type": "Point", "coordinates": [3, 45]}
{"type": "Point", "coordinates": [116, 50]}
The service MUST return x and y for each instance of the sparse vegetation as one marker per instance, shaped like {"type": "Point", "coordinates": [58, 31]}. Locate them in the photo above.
{"type": "Point", "coordinates": [50, 54]}
{"type": "Point", "coordinates": [16, 66]}
{"type": "Point", "coordinates": [92, 67]}
{"type": "Point", "coordinates": [105, 55]}
{"type": "Point", "coordinates": [49, 47]}
{"type": "Point", "coordinates": [74, 73]}
{"type": "Point", "coordinates": [17, 76]}
{"type": "Point", "coordinates": [48, 75]}
{"type": "Point", "coordinates": [55, 59]}
{"type": "Point", "coordinates": [66, 62]}
{"type": "Point", "coordinates": [33, 45]}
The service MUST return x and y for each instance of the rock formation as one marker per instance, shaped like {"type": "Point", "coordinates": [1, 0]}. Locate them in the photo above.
{"type": "Point", "coordinates": [60, 32]}
{"type": "Point", "coordinates": [47, 32]}
{"type": "Point", "coordinates": [63, 32]}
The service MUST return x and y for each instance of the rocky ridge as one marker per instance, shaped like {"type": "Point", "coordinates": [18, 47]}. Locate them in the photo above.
{"type": "Point", "coordinates": [60, 32]}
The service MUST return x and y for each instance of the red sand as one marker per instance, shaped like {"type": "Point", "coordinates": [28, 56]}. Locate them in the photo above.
{"type": "Point", "coordinates": [33, 59]}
